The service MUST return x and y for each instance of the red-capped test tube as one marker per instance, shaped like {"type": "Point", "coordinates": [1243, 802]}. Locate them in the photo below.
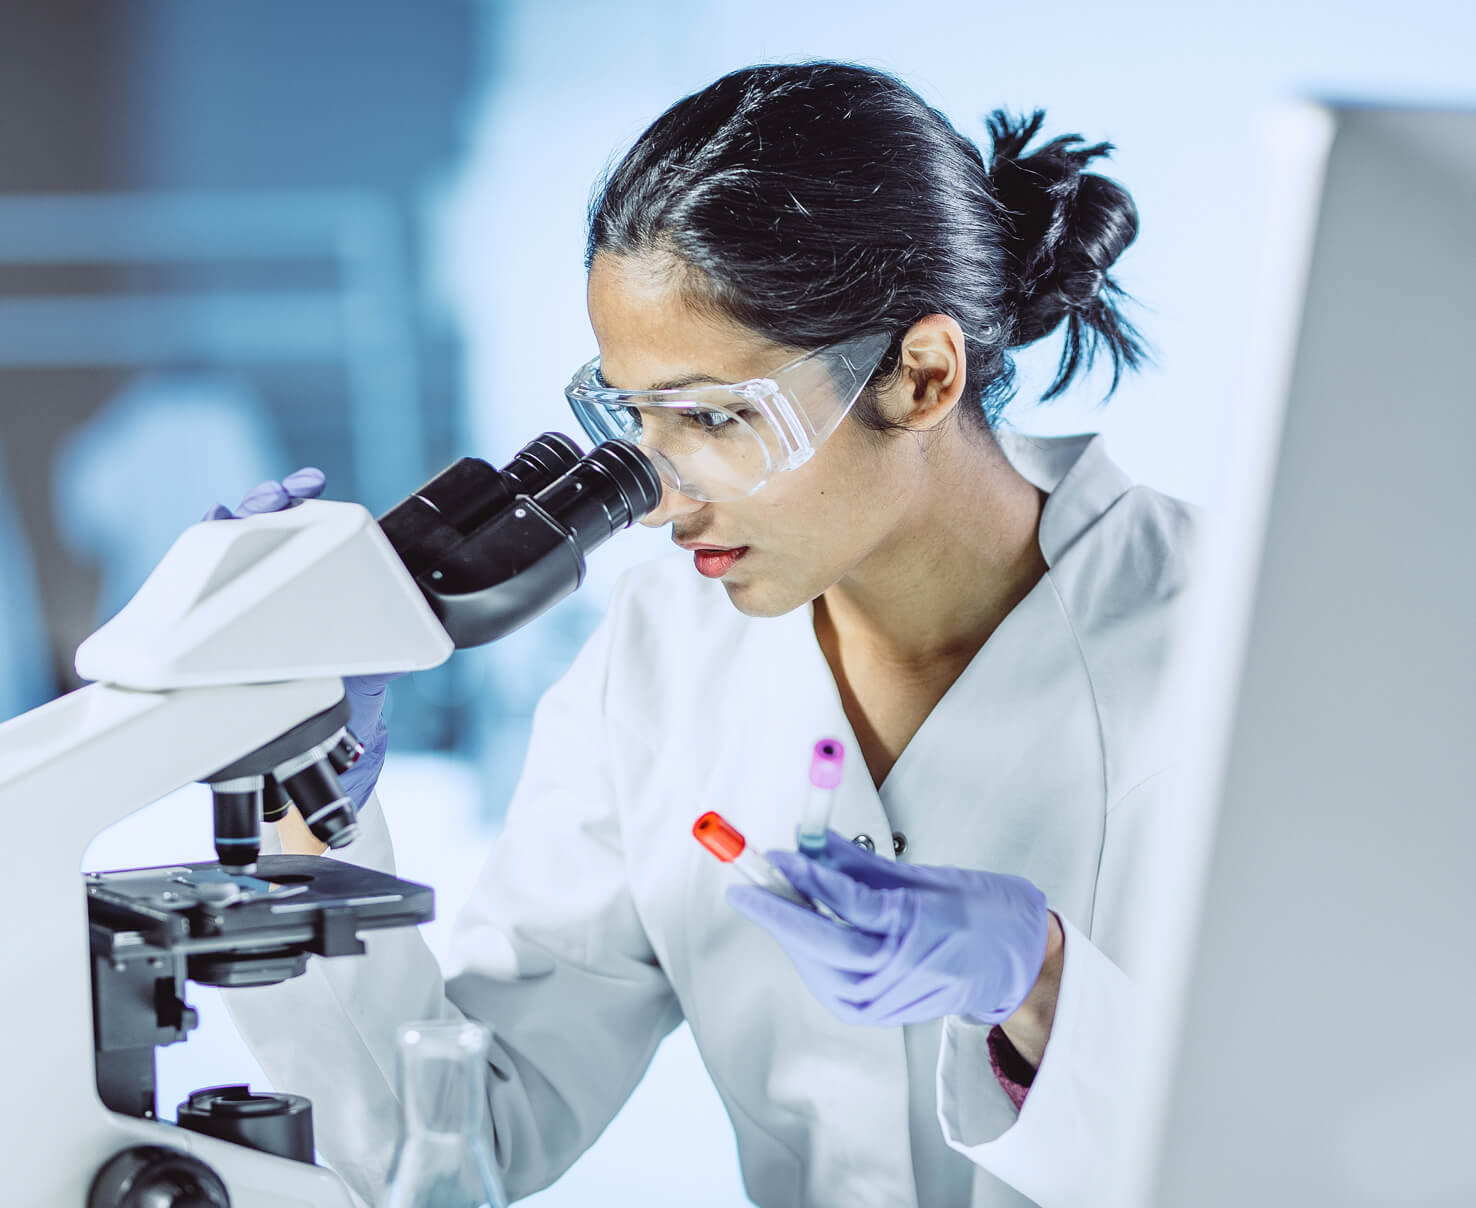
{"type": "Point", "coordinates": [723, 840]}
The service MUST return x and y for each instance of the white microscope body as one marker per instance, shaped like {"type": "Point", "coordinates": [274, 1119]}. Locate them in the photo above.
{"type": "Point", "coordinates": [240, 634]}
{"type": "Point", "coordinates": [226, 667]}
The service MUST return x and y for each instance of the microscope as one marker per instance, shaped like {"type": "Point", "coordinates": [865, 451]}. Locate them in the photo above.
{"type": "Point", "coordinates": [226, 668]}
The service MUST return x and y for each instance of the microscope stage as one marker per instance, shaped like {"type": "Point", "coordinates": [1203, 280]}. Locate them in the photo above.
{"type": "Point", "coordinates": [246, 928]}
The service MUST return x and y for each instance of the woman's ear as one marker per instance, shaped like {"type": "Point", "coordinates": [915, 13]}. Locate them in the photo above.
{"type": "Point", "coordinates": [932, 374]}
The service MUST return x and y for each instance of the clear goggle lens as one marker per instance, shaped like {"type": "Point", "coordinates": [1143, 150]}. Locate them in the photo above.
{"type": "Point", "coordinates": [700, 452]}
{"type": "Point", "coordinates": [719, 443]}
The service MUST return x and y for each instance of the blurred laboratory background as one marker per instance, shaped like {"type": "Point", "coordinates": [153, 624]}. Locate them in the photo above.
{"type": "Point", "coordinates": [241, 237]}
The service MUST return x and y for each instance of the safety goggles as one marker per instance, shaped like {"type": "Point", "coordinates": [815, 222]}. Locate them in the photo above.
{"type": "Point", "coordinates": [719, 443]}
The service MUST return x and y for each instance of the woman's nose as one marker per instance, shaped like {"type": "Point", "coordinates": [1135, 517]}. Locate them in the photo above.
{"type": "Point", "coordinates": [671, 506]}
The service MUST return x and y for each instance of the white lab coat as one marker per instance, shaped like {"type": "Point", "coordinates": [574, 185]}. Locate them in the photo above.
{"type": "Point", "coordinates": [599, 923]}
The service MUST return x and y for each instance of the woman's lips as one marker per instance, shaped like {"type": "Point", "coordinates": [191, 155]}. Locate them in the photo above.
{"type": "Point", "coordinates": [716, 563]}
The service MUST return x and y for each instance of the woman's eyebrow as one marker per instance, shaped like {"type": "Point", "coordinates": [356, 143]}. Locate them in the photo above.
{"type": "Point", "coordinates": [670, 384]}
{"type": "Point", "coordinates": [692, 379]}
{"type": "Point", "coordinates": [679, 383]}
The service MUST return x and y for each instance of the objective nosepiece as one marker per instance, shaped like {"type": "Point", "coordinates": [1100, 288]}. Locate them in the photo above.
{"type": "Point", "coordinates": [274, 801]}
{"type": "Point", "coordinates": [238, 808]}
{"type": "Point", "coordinates": [345, 750]}
{"type": "Point", "coordinates": [311, 781]}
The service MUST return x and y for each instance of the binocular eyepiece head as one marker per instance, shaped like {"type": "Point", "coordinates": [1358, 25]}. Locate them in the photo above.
{"type": "Point", "coordinates": [490, 549]}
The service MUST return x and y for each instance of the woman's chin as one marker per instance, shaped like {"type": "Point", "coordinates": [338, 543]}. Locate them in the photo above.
{"type": "Point", "coordinates": [761, 596]}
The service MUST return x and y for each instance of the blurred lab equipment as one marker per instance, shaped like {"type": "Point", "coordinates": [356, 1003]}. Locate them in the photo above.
{"type": "Point", "coordinates": [226, 668]}
{"type": "Point", "coordinates": [25, 678]}
{"type": "Point", "coordinates": [129, 479]}
{"type": "Point", "coordinates": [827, 765]}
{"type": "Point", "coordinates": [443, 1159]}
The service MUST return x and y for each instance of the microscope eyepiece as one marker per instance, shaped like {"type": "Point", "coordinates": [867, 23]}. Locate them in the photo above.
{"type": "Point", "coordinates": [605, 492]}
{"type": "Point", "coordinates": [468, 494]}
{"type": "Point", "coordinates": [540, 462]}
{"type": "Point", "coordinates": [491, 549]}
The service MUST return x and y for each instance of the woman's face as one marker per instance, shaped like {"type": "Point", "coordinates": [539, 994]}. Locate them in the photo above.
{"type": "Point", "coordinates": [805, 529]}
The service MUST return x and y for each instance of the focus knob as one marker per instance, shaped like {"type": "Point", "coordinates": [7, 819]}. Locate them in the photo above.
{"type": "Point", "coordinates": [151, 1176]}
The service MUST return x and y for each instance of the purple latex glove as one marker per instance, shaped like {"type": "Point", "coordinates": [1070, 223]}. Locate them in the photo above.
{"type": "Point", "coordinates": [307, 483]}
{"type": "Point", "coordinates": [366, 693]}
{"type": "Point", "coordinates": [924, 941]}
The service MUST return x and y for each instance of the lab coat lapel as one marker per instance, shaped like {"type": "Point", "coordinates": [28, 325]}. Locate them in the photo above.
{"type": "Point", "coordinates": [846, 1074]}
{"type": "Point", "coordinates": [806, 708]}
{"type": "Point", "coordinates": [987, 782]}
{"type": "Point", "coordinates": [1005, 773]}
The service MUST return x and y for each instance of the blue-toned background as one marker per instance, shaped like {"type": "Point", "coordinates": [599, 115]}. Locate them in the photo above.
{"type": "Point", "coordinates": [240, 237]}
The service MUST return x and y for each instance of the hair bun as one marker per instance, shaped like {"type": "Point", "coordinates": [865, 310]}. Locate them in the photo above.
{"type": "Point", "coordinates": [1069, 227]}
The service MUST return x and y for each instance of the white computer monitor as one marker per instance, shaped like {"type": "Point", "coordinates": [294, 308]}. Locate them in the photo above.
{"type": "Point", "coordinates": [1316, 1027]}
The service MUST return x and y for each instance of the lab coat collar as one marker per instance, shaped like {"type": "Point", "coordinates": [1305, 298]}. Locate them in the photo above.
{"type": "Point", "coordinates": [1077, 474]}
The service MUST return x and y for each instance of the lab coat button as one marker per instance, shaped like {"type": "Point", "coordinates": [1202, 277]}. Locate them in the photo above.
{"type": "Point", "coordinates": [899, 843]}
{"type": "Point", "coordinates": [864, 841]}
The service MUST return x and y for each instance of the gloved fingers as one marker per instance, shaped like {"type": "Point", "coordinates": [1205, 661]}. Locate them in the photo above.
{"type": "Point", "coordinates": [864, 866]}
{"type": "Point", "coordinates": [828, 986]}
{"type": "Point", "coordinates": [366, 714]}
{"type": "Point", "coordinates": [219, 512]}
{"type": "Point", "coordinates": [908, 1002]}
{"type": "Point", "coordinates": [306, 483]}
{"type": "Point", "coordinates": [273, 496]}
{"type": "Point", "coordinates": [904, 952]}
{"type": "Point", "coordinates": [264, 497]}
{"type": "Point", "coordinates": [860, 904]}
{"type": "Point", "coordinates": [920, 956]}
{"type": "Point", "coordinates": [831, 986]}
{"type": "Point", "coordinates": [370, 685]}
{"type": "Point", "coordinates": [359, 780]}
{"type": "Point", "coordinates": [803, 933]}
{"type": "Point", "coordinates": [860, 951]}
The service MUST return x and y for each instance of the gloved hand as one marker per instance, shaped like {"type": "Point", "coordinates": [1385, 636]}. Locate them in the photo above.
{"type": "Point", "coordinates": [366, 693]}
{"type": "Point", "coordinates": [307, 483]}
{"type": "Point", "coordinates": [924, 941]}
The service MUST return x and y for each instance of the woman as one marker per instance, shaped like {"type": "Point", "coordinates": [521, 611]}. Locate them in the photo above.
{"type": "Point", "coordinates": [980, 617]}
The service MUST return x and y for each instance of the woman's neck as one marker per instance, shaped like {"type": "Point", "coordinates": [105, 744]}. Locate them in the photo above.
{"type": "Point", "coordinates": [965, 554]}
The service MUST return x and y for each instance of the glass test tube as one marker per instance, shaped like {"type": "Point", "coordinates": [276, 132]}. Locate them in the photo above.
{"type": "Point", "coordinates": [723, 840]}
{"type": "Point", "coordinates": [826, 765]}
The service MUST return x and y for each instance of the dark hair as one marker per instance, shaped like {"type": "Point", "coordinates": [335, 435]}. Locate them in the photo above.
{"type": "Point", "coordinates": [813, 202]}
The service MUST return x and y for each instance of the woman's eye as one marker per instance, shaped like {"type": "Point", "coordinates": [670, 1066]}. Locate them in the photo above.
{"type": "Point", "coordinates": [709, 421]}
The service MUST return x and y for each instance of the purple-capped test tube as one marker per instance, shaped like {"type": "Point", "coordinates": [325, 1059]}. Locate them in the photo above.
{"type": "Point", "coordinates": [826, 765]}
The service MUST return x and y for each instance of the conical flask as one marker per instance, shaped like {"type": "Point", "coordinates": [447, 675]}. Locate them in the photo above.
{"type": "Point", "coordinates": [444, 1158]}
